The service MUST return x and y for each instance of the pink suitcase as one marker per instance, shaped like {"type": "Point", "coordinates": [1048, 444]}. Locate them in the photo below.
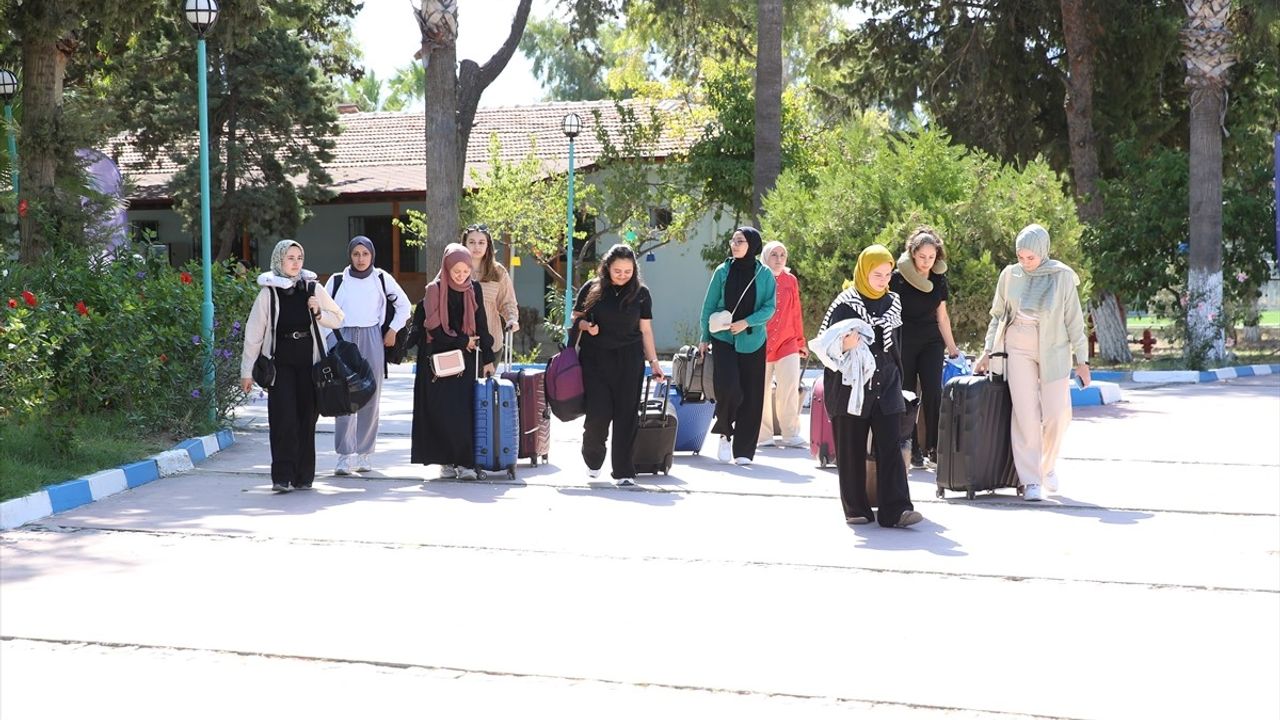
{"type": "Point", "coordinates": [822, 438]}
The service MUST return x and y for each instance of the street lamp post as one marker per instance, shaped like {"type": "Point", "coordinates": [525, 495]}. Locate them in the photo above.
{"type": "Point", "coordinates": [9, 88]}
{"type": "Point", "coordinates": [571, 125]}
{"type": "Point", "coordinates": [202, 14]}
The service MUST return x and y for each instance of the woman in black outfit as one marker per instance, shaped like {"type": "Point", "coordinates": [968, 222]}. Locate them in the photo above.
{"type": "Point", "coordinates": [443, 407]}
{"type": "Point", "coordinates": [880, 411]}
{"type": "Point", "coordinates": [614, 317]}
{"type": "Point", "coordinates": [921, 282]}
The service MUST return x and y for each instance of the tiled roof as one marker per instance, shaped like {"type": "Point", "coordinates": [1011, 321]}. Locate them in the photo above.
{"type": "Point", "coordinates": [384, 152]}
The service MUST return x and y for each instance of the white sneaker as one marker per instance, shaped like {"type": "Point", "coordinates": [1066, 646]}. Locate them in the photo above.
{"type": "Point", "coordinates": [625, 482]}
{"type": "Point", "coordinates": [593, 472]}
{"type": "Point", "coordinates": [362, 463]}
{"type": "Point", "coordinates": [448, 471]}
{"type": "Point", "coordinates": [726, 450]}
{"type": "Point", "coordinates": [795, 442]}
{"type": "Point", "coordinates": [1031, 493]}
{"type": "Point", "coordinates": [1051, 482]}
{"type": "Point", "coordinates": [742, 461]}
{"type": "Point", "coordinates": [768, 442]}
{"type": "Point", "coordinates": [466, 473]}
{"type": "Point", "coordinates": [344, 465]}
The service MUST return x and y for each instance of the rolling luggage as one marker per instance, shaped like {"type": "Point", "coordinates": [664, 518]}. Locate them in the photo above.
{"type": "Point", "coordinates": [535, 416]}
{"type": "Point", "coordinates": [694, 421]}
{"type": "Point", "coordinates": [693, 374]}
{"type": "Point", "coordinates": [974, 451]}
{"type": "Point", "coordinates": [496, 425]}
{"type": "Point", "coordinates": [822, 437]}
{"type": "Point", "coordinates": [655, 442]}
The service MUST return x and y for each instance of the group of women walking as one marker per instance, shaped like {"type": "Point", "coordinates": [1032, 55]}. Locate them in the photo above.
{"type": "Point", "coordinates": [889, 332]}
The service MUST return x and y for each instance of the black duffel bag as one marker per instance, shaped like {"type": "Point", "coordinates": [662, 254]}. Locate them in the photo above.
{"type": "Point", "coordinates": [343, 379]}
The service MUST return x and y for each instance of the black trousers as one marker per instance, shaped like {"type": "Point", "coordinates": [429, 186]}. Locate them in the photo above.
{"type": "Point", "coordinates": [923, 360]}
{"type": "Point", "coordinates": [291, 416]}
{"type": "Point", "coordinates": [739, 384]}
{"type": "Point", "coordinates": [612, 380]}
{"type": "Point", "coordinates": [851, 462]}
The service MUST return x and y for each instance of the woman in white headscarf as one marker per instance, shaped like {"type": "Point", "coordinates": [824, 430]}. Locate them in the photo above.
{"type": "Point", "coordinates": [290, 305]}
{"type": "Point", "coordinates": [1037, 319]}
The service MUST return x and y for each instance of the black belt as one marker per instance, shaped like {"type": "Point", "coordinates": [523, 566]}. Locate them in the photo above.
{"type": "Point", "coordinates": [298, 334]}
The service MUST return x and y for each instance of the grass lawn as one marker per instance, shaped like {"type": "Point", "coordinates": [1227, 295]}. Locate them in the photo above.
{"type": "Point", "coordinates": [1270, 318]}
{"type": "Point", "coordinates": [32, 457]}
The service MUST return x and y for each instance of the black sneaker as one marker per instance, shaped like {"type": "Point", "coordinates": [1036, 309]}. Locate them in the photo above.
{"type": "Point", "coordinates": [917, 460]}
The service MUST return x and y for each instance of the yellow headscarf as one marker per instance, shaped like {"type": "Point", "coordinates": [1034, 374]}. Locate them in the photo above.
{"type": "Point", "coordinates": [872, 256]}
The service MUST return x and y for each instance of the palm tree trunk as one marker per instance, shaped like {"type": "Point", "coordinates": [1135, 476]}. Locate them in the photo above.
{"type": "Point", "coordinates": [768, 100]}
{"type": "Point", "coordinates": [44, 66]}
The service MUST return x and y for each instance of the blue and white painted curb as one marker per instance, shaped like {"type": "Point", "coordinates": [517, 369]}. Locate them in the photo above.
{"type": "Point", "coordinates": [1099, 392]}
{"type": "Point", "coordinates": [1186, 376]}
{"type": "Point", "coordinates": [81, 491]}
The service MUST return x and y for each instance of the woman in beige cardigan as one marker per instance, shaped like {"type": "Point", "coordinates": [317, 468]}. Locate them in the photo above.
{"type": "Point", "coordinates": [1036, 318]}
{"type": "Point", "coordinates": [499, 293]}
{"type": "Point", "coordinates": [284, 318]}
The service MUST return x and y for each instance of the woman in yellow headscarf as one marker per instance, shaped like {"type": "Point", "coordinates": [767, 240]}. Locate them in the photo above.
{"type": "Point", "coordinates": [868, 306]}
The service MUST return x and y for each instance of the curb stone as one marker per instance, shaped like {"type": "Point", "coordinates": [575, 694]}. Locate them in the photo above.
{"type": "Point", "coordinates": [84, 490]}
{"type": "Point", "coordinates": [1185, 376]}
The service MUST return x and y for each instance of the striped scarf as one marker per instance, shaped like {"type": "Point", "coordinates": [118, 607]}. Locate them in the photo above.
{"type": "Point", "coordinates": [887, 321]}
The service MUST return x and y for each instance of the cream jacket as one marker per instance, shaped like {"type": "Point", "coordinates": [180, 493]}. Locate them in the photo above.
{"type": "Point", "coordinates": [500, 306]}
{"type": "Point", "coordinates": [1061, 327]}
{"type": "Point", "coordinates": [260, 324]}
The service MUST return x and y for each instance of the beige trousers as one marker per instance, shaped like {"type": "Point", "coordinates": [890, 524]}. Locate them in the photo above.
{"type": "Point", "coordinates": [1041, 411]}
{"type": "Point", "coordinates": [787, 403]}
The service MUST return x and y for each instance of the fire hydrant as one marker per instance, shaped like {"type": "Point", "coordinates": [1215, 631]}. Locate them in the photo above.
{"type": "Point", "coordinates": [1147, 342]}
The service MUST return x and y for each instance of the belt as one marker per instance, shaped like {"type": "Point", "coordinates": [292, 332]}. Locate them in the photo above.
{"type": "Point", "coordinates": [298, 335]}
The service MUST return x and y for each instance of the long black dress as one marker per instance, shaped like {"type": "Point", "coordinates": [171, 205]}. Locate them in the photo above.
{"type": "Point", "coordinates": [443, 409]}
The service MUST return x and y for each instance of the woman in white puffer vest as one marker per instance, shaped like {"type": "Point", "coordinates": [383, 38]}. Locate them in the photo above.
{"type": "Point", "coordinates": [368, 296]}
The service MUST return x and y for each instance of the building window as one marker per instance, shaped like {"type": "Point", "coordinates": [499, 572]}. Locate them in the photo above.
{"type": "Point", "coordinates": [144, 232]}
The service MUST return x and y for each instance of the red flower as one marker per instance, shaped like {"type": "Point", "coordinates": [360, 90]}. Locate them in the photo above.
{"type": "Point", "coordinates": [82, 308]}
{"type": "Point", "coordinates": [164, 358]}
{"type": "Point", "coordinates": [22, 208]}
{"type": "Point", "coordinates": [185, 277]}
{"type": "Point", "coordinates": [13, 303]}
{"type": "Point", "coordinates": [29, 298]}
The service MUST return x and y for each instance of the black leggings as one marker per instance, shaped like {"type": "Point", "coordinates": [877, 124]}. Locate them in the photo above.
{"type": "Point", "coordinates": [923, 360]}
{"type": "Point", "coordinates": [612, 380]}
{"type": "Point", "coordinates": [739, 384]}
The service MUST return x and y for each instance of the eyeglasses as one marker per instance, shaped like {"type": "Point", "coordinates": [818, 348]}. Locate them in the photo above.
{"type": "Point", "coordinates": [736, 241]}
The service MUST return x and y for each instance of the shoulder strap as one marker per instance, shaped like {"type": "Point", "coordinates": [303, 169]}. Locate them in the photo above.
{"type": "Point", "coordinates": [271, 326]}
{"type": "Point", "coordinates": [337, 283]}
{"type": "Point", "coordinates": [744, 291]}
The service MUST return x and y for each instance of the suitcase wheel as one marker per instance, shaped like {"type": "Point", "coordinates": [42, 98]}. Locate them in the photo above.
{"type": "Point", "coordinates": [534, 460]}
{"type": "Point", "coordinates": [511, 472]}
{"type": "Point", "coordinates": [666, 468]}
{"type": "Point", "coordinates": [969, 493]}
{"type": "Point", "coordinates": [481, 474]}
{"type": "Point", "coordinates": [939, 493]}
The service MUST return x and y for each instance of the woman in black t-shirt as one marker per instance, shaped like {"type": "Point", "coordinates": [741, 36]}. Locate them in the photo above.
{"type": "Point", "coordinates": [614, 316]}
{"type": "Point", "coordinates": [921, 282]}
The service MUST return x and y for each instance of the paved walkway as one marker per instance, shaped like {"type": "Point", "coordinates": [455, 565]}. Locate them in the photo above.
{"type": "Point", "coordinates": [1150, 588]}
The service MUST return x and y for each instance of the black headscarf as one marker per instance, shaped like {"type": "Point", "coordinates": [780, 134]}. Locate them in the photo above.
{"type": "Point", "coordinates": [741, 272]}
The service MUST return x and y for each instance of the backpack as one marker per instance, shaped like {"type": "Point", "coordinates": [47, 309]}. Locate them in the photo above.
{"type": "Point", "coordinates": [396, 353]}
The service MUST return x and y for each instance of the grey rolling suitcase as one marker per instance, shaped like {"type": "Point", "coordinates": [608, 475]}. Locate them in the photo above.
{"type": "Point", "coordinates": [974, 450]}
{"type": "Point", "coordinates": [655, 443]}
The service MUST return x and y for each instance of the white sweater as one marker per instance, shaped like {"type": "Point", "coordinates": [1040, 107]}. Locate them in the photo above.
{"type": "Point", "coordinates": [363, 303]}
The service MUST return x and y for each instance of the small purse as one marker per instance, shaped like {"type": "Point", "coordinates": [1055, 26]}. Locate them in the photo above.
{"type": "Point", "coordinates": [448, 364]}
{"type": "Point", "coordinates": [720, 320]}
{"type": "Point", "coordinates": [264, 368]}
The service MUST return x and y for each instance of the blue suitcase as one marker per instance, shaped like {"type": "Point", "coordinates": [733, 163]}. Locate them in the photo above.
{"type": "Point", "coordinates": [695, 422]}
{"type": "Point", "coordinates": [497, 432]}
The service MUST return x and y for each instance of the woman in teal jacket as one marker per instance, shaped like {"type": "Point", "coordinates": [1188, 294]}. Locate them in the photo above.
{"type": "Point", "coordinates": [745, 288]}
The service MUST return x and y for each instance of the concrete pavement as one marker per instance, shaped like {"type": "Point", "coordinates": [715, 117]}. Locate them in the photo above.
{"type": "Point", "coordinates": [1151, 587]}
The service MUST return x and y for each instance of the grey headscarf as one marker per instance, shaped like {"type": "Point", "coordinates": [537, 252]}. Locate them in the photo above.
{"type": "Point", "coordinates": [1038, 285]}
{"type": "Point", "coordinates": [277, 257]}
{"type": "Point", "coordinates": [351, 246]}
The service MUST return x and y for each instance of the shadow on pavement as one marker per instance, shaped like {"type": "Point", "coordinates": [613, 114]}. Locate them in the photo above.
{"type": "Point", "coordinates": [605, 490]}
{"type": "Point", "coordinates": [927, 535]}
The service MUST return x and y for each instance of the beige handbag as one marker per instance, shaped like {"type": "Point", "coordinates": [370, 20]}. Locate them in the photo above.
{"type": "Point", "coordinates": [448, 364]}
{"type": "Point", "coordinates": [721, 320]}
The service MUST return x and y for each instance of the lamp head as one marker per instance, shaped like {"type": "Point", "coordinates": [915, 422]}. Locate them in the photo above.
{"type": "Point", "coordinates": [571, 125]}
{"type": "Point", "coordinates": [201, 15]}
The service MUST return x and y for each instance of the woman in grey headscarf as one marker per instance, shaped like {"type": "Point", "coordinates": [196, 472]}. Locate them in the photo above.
{"type": "Point", "coordinates": [1036, 318]}
{"type": "Point", "coordinates": [287, 304]}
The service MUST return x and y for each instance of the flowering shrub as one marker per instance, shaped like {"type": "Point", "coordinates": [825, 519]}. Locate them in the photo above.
{"type": "Point", "coordinates": [81, 334]}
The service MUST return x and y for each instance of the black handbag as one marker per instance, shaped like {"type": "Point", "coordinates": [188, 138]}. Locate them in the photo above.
{"type": "Point", "coordinates": [264, 368]}
{"type": "Point", "coordinates": [343, 379]}
{"type": "Point", "coordinates": [409, 336]}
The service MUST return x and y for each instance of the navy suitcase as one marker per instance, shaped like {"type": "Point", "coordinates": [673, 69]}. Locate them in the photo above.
{"type": "Point", "coordinates": [497, 424]}
{"type": "Point", "coordinates": [974, 450]}
{"type": "Point", "coordinates": [655, 442]}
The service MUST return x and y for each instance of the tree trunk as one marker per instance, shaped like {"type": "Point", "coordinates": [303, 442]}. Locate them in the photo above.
{"type": "Point", "coordinates": [768, 101]}
{"type": "Point", "coordinates": [1205, 339]}
{"type": "Point", "coordinates": [1109, 326]}
{"type": "Point", "coordinates": [444, 182]}
{"type": "Point", "coordinates": [44, 66]}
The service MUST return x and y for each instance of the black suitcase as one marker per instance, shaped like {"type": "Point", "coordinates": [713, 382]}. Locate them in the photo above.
{"type": "Point", "coordinates": [974, 451]}
{"type": "Point", "coordinates": [655, 443]}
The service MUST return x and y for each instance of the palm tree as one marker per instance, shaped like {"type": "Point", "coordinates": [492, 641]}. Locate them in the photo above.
{"type": "Point", "coordinates": [405, 87]}
{"type": "Point", "coordinates": [1207, 54]}
{"type": "Point", "coordinates": [365, 93]}
{"type": "Point", "coordinates": [768, 110]}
